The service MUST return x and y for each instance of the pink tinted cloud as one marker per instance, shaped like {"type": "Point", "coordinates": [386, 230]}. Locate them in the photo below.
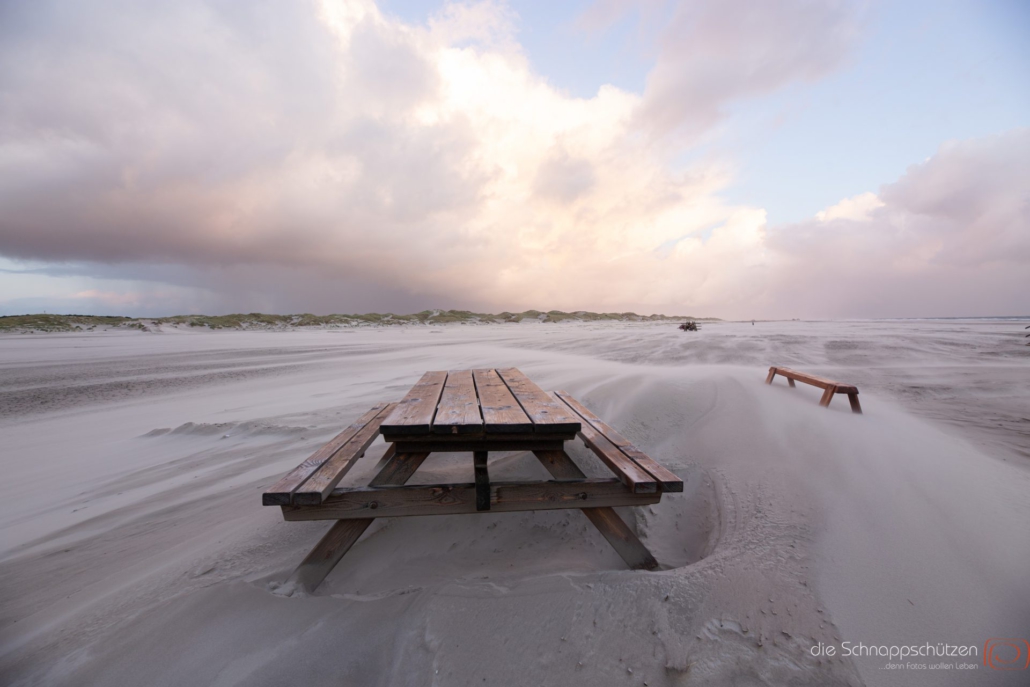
{"type": "Point", "coordinates": [950, 237]}
{"type": "Point", "coordinates": [292, 160]}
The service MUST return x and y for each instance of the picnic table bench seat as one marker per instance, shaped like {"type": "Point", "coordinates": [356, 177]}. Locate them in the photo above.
{"type": "Point", "coordinates": [310, 482]}
{"type": "Point", "coordinates": [470, 411]}
{"type": "Point", "coordinates": [828, 386]}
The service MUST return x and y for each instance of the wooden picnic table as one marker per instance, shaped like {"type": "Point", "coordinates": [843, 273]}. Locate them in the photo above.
{"type": "Point", "coordinates": [474, 411]}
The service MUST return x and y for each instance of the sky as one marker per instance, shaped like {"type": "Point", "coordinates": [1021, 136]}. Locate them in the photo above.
{"type": "Point", "coordinates": [798, 158]}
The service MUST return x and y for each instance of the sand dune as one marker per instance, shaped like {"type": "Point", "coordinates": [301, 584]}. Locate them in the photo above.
{"type": "Point", "coordinates": [134, 548]}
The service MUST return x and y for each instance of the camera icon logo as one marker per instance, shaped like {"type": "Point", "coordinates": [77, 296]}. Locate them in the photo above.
{"type": "Point", "coordinates": [1007, 654]}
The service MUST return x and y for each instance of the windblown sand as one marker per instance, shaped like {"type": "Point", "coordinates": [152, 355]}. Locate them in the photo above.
{"type": "Point", "coordinates": [135, 551]}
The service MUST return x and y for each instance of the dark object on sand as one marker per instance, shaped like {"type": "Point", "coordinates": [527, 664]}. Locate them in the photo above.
{"type": "Point", "coordinates": [829, 388]}
{"type": "Point", "coordinates": [473, 411]}
{"type": "Point", "coordinates": [689, 327]}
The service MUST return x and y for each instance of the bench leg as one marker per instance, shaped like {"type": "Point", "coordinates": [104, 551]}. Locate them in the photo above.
{"type": "Point", "coordinates": [606, 520]}
{"type": "Point", "coordinates": [827, 396]}
{"type": "Point", "coordinates": [772, 373]}
{"type": "Point", "coordinates": [345, 533]}
{"type": "Point", "coordinates": [482, 480]}
{"type": "Point", "coordinates": [856, 407]}
{"type": "Point", "coordinates": [790, 383]}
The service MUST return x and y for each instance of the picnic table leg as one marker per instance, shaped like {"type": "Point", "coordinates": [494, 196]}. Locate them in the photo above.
{"type": "Point", "coordinates": [482, 480]}
{"type": "Point", "coordinates": [827, 396]}
{"type": "Point", "coordinates": [605, 519]}
{"type": "Point", "coordinates": [856, 407]}
{"type": "Point", "coordinates": [343, 535]}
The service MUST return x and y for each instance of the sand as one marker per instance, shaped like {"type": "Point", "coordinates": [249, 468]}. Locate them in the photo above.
{"type": "Point", "coordinates": [134, 548]}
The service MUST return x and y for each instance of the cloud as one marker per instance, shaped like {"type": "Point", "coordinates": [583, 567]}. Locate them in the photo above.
{"type": "Point", "coordinates": [564, 179]}
{"type": "Point", "coordinates": [710, 53]}
{"type": "Point", "coordinates": [337, 144]}
{"type": "Point", "coordinates": [950, 237]}
{"type": "Point", "coordinates": [857, 208]}
{"type": "Point", "coordinates": [326, 157]}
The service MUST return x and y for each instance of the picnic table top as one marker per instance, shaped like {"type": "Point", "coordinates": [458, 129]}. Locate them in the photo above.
{"type": "Point", "coordinates": [479, 402]}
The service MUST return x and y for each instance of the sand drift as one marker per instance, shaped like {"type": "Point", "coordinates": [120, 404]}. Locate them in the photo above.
{"type": "Point", "coordinates": [135, 549]}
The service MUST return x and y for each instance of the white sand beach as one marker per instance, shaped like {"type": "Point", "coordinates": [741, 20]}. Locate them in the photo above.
{"type": "Point", "coordinates": [134, 549]}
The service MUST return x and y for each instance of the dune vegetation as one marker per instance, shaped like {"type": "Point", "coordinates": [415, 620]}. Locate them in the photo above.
{"type": "Point", "coordinates": [71, 323]}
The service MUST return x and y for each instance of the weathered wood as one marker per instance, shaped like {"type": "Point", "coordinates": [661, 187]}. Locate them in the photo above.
{"type": "Point", "coordinates": [414, 414]}
{"type": "Point", "coordinates": [606, 520]}
{"type": "Point", "coordinates": [391, 451]}
{"type": "Point", "coordinates": [502, 414]}
{"type": "Point", "coordinates": [666, 479]}
{"type": "Point", "coordinates": [472, 445]}
{"type": "Point", "coordinates": [856, 407]}
{"type": "Point", "coordinates": [343, 535]}
{"type": "Point", "coordinates": [336, 468]}
{"type": "Point", "coordinates": [829, 387]}
{"type": "Point", "coordinates": [458, 412]}
{"type": "Point", "coordinates": [628, 472]}
{"type": "Point", "coordinates": [547, 414]}
{"type": "Point", "coordinates": [399, 470]}
{"type": "Point", "coordinates": [459, 499]}
{"type": "Point", "coordinates": [479, 459]}
{"type": "Point", "coordinates": [632, 475]}
{"type": "Point", "coordinates": [811, 379]}
{"type": "Point", "coordinates": [481, 411]}
{"type": "Point", "coordinates": [450, 438]}
{"type": "Point", "coordinates": [622, 538]}
{"type": "Point", "coordinates": [281, 492]}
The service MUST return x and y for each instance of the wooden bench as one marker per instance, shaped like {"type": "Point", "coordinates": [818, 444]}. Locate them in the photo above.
{"type": "Point", "coordinates": [829, 387]}
{"type": "Point", "coordinates": [473, 411]}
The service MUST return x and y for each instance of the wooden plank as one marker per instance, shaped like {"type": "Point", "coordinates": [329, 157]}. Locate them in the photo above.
{"type": "Point", "coordinates": [666, 478]}
{"type": "Point", "coordinates": [622, 538]}
{"type": "Point", "coordinates": [281, 492]}
{"type": "Point", "coordinates": [345, 533]}
{"type": "Point", "coordinates": [772, 373]}
{"type": "Point", "coordinates": [633, 476]}
{"type": "Point", "coordinates": [804, 377]}
{"type": "Point", "coordinates": [628, 472]}
{"type": "Point", "coordinates": [547, 414]}
{"type": "Point", "coordinates": [391, 450]}
{"type": "Point", "coordinates": [479, 459]}
{"type": "Point", "coordinates": [460, 499]}
{"type": "Point", "coordinates": [414, 414]}
{"type": "Point", "coordinates": [439, 439]}
{"type": "Point", "coordinates": [472, 445]}
{"type": "Point", "coordinates": [820, 382]}
{"type": "Point", "coordinates": [856, 407]}
{"type": "Point", "coordinates": [502, 414]}
{"type": "Point", "coordinates": [336, 468]}
{"type": "Point", "coordinates": [605, 519]}
{"type": "Point", "coordinates": [458, 411]}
